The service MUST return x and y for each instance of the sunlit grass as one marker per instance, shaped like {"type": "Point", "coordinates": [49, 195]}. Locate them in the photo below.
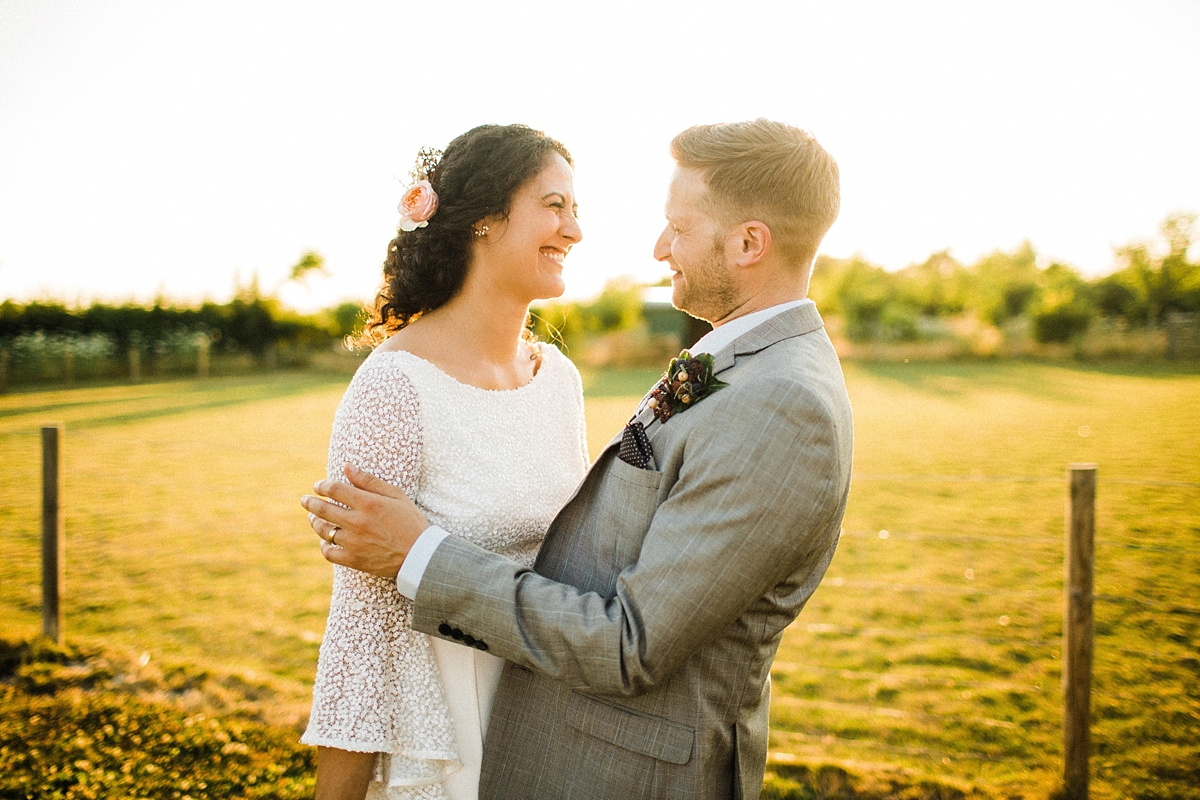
{"type": "Point", "coordinates": [934, 640]}
{"type": "Point", "coordinates": [184, 535]}
{"type": "Point", "coordinates": [933, 649]}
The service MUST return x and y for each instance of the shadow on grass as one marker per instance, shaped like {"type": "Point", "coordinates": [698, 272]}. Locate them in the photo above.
{"type": "Point", "coordinates": [49, 408]}
{"type": "Point", "coordinates": [184, 397]}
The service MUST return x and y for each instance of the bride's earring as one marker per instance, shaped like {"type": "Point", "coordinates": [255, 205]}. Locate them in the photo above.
{"type": "Point", "coordinates": [481, 230]}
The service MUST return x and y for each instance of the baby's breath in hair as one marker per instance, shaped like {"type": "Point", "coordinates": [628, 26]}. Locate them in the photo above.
{"type": "Point", "coordinates": [427, 161]}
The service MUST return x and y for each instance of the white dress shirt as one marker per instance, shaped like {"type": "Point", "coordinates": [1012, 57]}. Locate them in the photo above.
{"type": "Point", "coordinates": [413, 568]}
{"type": "Point", "coordinates": [717, 338]}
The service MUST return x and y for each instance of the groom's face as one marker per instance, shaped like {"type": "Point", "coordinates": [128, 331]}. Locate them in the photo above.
{"type": "Point", "coordinates": [693, 245]}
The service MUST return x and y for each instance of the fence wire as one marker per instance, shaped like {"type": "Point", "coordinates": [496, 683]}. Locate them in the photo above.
{"type": "Point", "coordinates": [946, 756]}
{"type": "Point", "coordinates": [1037, 601]}
{"type": "Point", "coordinates": [980, 478]}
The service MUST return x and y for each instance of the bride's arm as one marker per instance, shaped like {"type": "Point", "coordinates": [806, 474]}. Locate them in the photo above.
{"type": "Point", "coordinates": [343, 774]}
{"type": "Point", "coordinates": [377, 427]}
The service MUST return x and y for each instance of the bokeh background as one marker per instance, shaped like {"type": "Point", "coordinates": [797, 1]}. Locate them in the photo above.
{"type": "Point", "coordinates": [194, 202]}
{"type": "Point", "coordinates": [178, 149]}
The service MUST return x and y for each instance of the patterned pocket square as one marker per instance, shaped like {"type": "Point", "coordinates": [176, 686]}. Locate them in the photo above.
{"type": "Point", "coordinates": [635, 446]}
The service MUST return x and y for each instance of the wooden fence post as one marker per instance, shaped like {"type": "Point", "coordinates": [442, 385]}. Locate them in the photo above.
{"type": "Point", "coordinates": [52, 532]}
{"type": "Point", "coordinates": [1077, 629]}
{"type": "Point", "coordinates": [4, 360]}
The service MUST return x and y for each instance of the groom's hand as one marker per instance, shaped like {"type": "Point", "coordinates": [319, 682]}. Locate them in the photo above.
{"type": "Point", "coordinates": [372, 529]}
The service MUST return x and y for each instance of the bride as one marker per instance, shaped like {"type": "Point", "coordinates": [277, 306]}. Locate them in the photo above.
{"type": "Point", "coordinates": [479, 424]}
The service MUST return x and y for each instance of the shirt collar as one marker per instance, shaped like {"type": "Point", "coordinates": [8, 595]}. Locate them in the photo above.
{"type": "Point", "coordinates": [718, 338]}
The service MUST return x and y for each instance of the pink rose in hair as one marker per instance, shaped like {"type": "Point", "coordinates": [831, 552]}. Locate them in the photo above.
{"type": "Point", "coordinates": [417, 206]}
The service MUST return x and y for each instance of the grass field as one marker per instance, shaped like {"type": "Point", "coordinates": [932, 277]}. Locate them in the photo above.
{"type": "Point", "coordinates": [930, 650]}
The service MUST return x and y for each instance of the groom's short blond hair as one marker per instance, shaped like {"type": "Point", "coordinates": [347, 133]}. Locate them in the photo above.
{"type": "Point", "coordinates": [768, 171]}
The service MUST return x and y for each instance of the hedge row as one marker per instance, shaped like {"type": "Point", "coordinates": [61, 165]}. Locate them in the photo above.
{"type": "Point", "coordinates": [247, 325]}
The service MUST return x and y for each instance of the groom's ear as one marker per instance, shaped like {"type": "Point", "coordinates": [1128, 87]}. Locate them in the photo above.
{"type": "Point", "coordinates": [752, 240]}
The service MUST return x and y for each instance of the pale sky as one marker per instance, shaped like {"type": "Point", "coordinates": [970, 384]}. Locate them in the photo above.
{"type": "Point", "coordinates": [170, 147]}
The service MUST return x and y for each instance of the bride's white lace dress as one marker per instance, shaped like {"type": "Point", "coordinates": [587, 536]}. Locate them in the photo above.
{"type": "Point", "coordinates": [492, 466]}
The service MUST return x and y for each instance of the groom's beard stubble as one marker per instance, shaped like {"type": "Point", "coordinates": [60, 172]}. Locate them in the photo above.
{"type": "Point", "coordinates": [705, 289]}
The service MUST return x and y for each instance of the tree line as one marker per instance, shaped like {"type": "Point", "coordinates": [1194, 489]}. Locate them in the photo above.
{"type": "Point", "coordinates": [47, 342]}
{"type": "Point", "coordinates": [247, 325]}
{"type": "Point", "coordinates": [1155, 280]}
{"type": "Point", "coordinates": [254, 322]}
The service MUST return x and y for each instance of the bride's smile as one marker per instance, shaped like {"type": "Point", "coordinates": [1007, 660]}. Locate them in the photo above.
{"type": "Point", "coordinates": [522, 254]}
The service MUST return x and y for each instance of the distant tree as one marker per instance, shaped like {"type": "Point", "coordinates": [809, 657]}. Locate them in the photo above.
{"type": "Point", "coordinates": [1159, 274]}
{"type": "Point", "coordinates": [1061, 324]}
{"type": "Point", "coordinates": [875, 303]}
{"type": "Point", "coordinates": [309, 263]}
{"type": "Point", "coordinates": [936, 287]}
{"type": "Point", "coordinates": [1113, 296]}
{"type": "Point", "coordinates": [861, 291]}
{"type": "Point", "coordinates": [826, 276]}
{"type": "Point", "coordinates": [48, 317]}
{"type": "Point", "coordinates": [347, 319]}
{"type": "Point", "coordinates": [618, 308]}
{"type": "Point", "coordinates": [1003, 285]}
{"type": "Point", "coordinates": [1063, 310]}
{"type": "Point", "coordinates": [557, 323]}
{"type": "Point", "coordinates": [251, 325]}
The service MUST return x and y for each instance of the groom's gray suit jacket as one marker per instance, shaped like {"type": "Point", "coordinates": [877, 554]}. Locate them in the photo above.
{"type": "Point", "coordinates": [641, 642]}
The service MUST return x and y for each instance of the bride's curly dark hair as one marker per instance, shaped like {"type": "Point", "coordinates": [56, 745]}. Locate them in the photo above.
{"type": "Point", "coordinates": [475, 177]}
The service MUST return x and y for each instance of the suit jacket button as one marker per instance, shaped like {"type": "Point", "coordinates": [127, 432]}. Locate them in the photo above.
{"type": "Point", "coordinates": [481, 646]}
{"type": "Point", "coordinates": [469, 640]}
{"type": "Point", "coordinates": [457, 634]}
{"type": "Point", "coordinates": [444, 629]}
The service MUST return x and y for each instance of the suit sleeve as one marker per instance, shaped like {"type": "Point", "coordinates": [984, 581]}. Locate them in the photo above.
{"type": "Point", "coordinates": [757, 492]}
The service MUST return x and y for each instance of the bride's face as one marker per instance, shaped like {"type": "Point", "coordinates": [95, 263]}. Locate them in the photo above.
{"type": "Point", "coordinates": [524, 255]}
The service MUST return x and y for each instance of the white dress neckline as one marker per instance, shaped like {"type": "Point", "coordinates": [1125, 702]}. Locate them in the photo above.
{"type": "Point", "coordinates": [463, 384]}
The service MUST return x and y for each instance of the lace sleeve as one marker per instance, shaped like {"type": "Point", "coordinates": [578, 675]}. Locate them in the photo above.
{"type": "Point", "coordinates": [377, 687]}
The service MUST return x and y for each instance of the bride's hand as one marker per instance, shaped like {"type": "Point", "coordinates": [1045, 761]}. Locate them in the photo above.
{"type": "Point", "coordinates": [371, 530]}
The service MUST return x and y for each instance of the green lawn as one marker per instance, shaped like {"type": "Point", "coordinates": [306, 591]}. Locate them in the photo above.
{"type": "Point", "coordinates": [932, 648]}
{"type": "Point", "coordinates": [937, 647]}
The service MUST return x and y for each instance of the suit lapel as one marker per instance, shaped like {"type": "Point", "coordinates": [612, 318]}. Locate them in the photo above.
{"type": "Point", "coordinates": [785, 325]}
{"type": "Point", "coordinates": [793, 322]}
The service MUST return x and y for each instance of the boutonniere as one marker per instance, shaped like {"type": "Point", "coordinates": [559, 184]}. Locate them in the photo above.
{"type": "Point", "coordinates": [688, 380]}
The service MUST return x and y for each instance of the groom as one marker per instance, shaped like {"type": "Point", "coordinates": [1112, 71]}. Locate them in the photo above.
{"type": "Point", "coordinates": [641, 643]}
